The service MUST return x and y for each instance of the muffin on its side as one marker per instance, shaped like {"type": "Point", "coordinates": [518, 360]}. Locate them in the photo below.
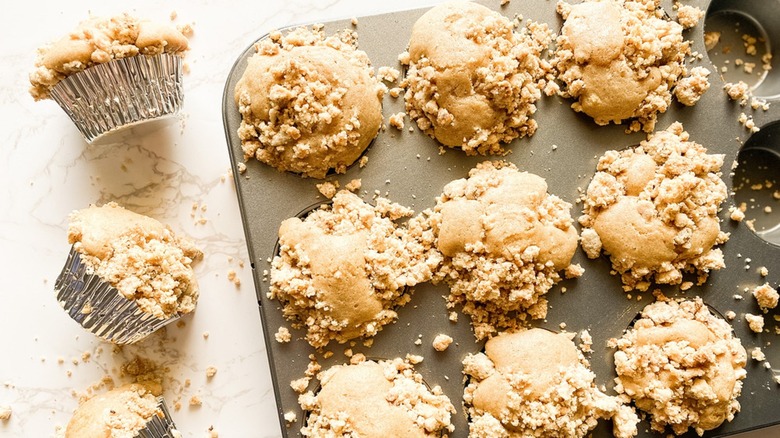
{"type": "Point", "coordinates": [473, 81]}
{"type": "Point", "coordinates": [111, 73]}
{"type": "Point", "coordinates": [127, 274]}
{"type": "Point", "coordinates": [308, 103]}
{"type": "Point", "coordinates": [124, 412]}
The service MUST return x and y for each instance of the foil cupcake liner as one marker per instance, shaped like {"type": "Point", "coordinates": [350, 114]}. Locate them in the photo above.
{"type": "Point", "coordinates": [160, 426]}
{"type": "Point", "coordinates": [100, 308]}
{"type": "Point", "coordinates": [123, 93]}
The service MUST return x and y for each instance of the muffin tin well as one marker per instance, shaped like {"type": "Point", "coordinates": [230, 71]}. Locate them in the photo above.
{"type": "Point", "coordinates": [407, 168]}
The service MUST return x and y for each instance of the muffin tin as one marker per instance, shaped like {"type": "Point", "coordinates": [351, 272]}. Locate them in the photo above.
{"type": "Point", "coordinates": [407, 168]}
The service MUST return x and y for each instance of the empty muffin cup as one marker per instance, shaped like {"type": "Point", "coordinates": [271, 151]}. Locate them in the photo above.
{"type": "Point", "coordinates": [740, 37]}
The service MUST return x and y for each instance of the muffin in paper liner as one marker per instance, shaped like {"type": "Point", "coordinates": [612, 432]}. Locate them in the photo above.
{"type": "Point", "coordinates": [160, 426]}
{"type": "Point", "coordinates": [100, 308]}
{"type": "Point", "coordinates": [110, 98]}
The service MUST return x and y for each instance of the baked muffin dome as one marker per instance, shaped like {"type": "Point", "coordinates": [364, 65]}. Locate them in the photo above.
{"type": "Point", "coordinates": [308, 103]}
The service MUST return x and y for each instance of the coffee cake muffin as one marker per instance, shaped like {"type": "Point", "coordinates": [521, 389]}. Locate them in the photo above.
{"type": "Point", "coordinates": [112, 72]}
{"type": "Point", "coordinates": [129, 411]}
{"type": "Point", "coordinates": [343, 269]}
{"type": "Point", "coordinates": [653, 209]}
{"type": "Point", "coordinates": [504, 240]}
{"type": "Point", "coordinates": [681, 364]}
{"type": "Point", "coordinates": [308, 103]}
{"type": "Point", "coordinates": [620, 60]}
{"type": "Point", "coordinates": [472, 81]}
{"type": "Point", "coordinates": [127, 274]}
{"type": "Point", "coordinates": [376, 399]}
{"type": "Point", "coordinates": [536, 383]}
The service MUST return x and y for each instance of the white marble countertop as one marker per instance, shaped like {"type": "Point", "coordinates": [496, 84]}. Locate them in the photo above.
{"type": "Point", "coordinates": [48, 171]}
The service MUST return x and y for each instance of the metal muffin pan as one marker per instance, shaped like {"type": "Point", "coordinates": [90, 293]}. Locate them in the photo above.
{"type": "Point", "coordinates": [594, 302]}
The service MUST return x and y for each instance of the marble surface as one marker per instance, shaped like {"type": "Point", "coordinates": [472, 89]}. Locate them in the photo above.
{"type": "Point", "coordinates": [178, 175]}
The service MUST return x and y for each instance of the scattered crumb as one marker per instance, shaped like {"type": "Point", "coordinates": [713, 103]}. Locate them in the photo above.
{"type": "Point", "coordinates": [283, 335]}
{"type": "Point", "coordinates": [736, 214]}
{"type": "Point", "coordinates": [388, 74]}
{"type": "Point", "coordinates": [5, 413]}
{"type": "Point", "coordinates": [738, 91]}
{"type": "Point", "coordinates": [300, 385]}
{"type": "Point", "coordinates": [395, 92]}
{"type": "Point", "coordinates": [418, 342]}
{"type": "Point", "coordinates": [205, 335]}
{"type": "Point", "coordinates": [328, 188]}
{"type": "Point", "coordinates": [763, 271]}
{"type": "Point", "coordinates": [586, 342]}
{"type": "Point", "coordinates": [711, 39]}
{"type": "Point", "coordinates": [730, 315]}
{"type": "Point", "coordinates": [195, 401]}
{"type": "Point", "coordinates": [186, 29]}
{"type": "Point", "coordinates": [232, 277]}
{"type": "Point", "coordinates": [397, 120]}
{"type": "Point", "coordinates": [766, 296]}
{"type": "Point", "coordinates": [689, 16]}
{"type": "Point", "coordinates": [441, 342]}
{"type": "Point", "coordinates": [241, 168]}
{"type": "Point", "coordinates": [290, 417]}
{"type": "Point", "coordinates": [757, 354]}
{"type": "Point", "coordinates": [453, 316]}
{"type": "Point", "coordinates": [756, 322]}
{"type": "Point", "coordinates": [354, 185]}
{"type": "Point", "coordinates": [354, 21]}
{"type": "Point", "coordinates": [363, 161]}
{"type": "Point", "coordinates": [211, 372]}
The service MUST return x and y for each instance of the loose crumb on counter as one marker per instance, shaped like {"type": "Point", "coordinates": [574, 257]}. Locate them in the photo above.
{"type": "Point", "coordinates": [211, 372]}
{"type": "Point", "coordinates": [5, 413]}
{"type": "Point", "coordinates": [195, 401]}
